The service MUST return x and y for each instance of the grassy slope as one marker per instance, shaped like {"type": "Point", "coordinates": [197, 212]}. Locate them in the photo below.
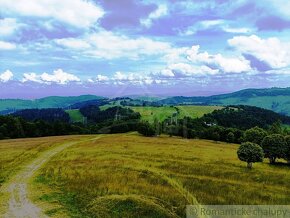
{"type": "Point", "coordinates": [152, 113]}
{"type": "Point", "coordinates": [161, 113]}
{"type": "Point", "coordinates": [283, 102]}
{"type": "Point", "coordinates": [195, 111]}
{"type": "Point", "coordinates": [130, 176]}
{"type": "Point", "coordinates": [75, 115]}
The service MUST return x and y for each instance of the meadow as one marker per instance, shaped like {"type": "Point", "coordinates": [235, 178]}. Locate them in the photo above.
{"type": "Point", "coordinates": [75, 116]}
{"type": "Point", "coordinates": [126, 175]}
{"type": "Point", "coordinates": [196, 111]}
{"type": "Point", "coordinates": [151, 114]}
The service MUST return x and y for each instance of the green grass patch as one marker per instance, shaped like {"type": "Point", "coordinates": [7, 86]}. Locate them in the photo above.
{"type": "Point", "coordinates": [75, 116]}
{"type": "Point", "coordinates": [151, 113]}
{"type": "Point", "coordinates": [195, 111]}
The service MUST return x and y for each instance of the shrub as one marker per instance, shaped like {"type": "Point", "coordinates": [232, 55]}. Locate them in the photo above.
{"type": "Point", "coordinates": [251, 153]}
{"type": "Point", "coordinates": [274, 147]}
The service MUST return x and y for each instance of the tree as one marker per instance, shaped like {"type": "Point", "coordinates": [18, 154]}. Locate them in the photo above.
{"type": "Point", "coordinates": [146, 129]}
{"type": "Point", "coordinates": [274, 147]}
{"type": "Point", "coordinates": [251, 153]}
{"type": "Point", "coordinates": [287, 155]}
{"type": "Point", "coordinates": [255, 135]}
{"type": "Point", "coordinates": [276, 128]}
{"type": "Point", "coordinates": [231, 137]}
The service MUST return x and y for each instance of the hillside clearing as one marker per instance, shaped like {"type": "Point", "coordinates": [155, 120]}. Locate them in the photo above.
{"type": "Point", "coordinates": [75, 116]}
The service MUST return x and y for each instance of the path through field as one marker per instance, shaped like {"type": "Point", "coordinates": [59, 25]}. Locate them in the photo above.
{"type": "Point", "coordinates": [19, 204]}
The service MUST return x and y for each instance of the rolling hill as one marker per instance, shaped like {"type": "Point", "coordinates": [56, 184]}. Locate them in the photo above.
{"type": "Point", "coordinates": [276, 99]}
{"type": "Point", "coordinates": [11, 105]}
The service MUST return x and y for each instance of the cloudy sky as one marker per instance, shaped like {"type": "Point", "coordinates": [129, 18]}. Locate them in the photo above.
{"type": "Point", "coordinates": [155, 47]}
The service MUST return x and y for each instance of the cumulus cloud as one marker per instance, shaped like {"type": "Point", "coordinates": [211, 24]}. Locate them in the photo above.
{"type": "Point", "coordinates": [183, 70]}
{"type": "Point", "coordinates": [217, 61]}
{"type": "Point", "coordinates": [161, 11]}
{"type": "Point", "coordinates": [108, 45]}
{"type": "Point", "coordinates": [271, 51]}
{"type": "Point", "coordinates": [7, 45]}
{"type": "Point", "coordinates": [77, 13]}
{"type": "Point", "coordinates": [58, 76]}
{"type": "Point", "coordinates": [101, 78]}
{"type": "Point", "coordinates": [6, 76]}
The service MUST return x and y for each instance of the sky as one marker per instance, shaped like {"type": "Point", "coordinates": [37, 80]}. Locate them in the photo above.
{"type": "Point", "coordinates": [142, 47]}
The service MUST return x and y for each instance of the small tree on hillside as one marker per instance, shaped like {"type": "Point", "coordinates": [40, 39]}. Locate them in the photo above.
{"type": "Point", "coordinates": [287, 155]}
{"type": "Point", "coordinates": [251, 153]}
{"type": "Point", "coordinates": [255, 135]}
{"type": "Point", "coordinates": [274, 147]}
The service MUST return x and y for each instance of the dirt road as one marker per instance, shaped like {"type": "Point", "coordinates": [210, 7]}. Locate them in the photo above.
{"type": "Point", "coordinates": [19, 204]}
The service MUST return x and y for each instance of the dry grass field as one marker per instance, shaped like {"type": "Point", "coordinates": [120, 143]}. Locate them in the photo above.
{"type": "Point", "coordinates": [127, 175]}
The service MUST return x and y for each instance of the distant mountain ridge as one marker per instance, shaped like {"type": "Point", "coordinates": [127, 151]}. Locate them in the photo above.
{"type": "Point", "coordinates": [276, 99]}
{"type": "Point", "coordinates": [12, 105]}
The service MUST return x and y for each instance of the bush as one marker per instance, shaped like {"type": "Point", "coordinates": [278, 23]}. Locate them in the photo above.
{"type": "Point", "coordinates": [274, 147]}
{"type": "Point", "coordinates": [251, 153]}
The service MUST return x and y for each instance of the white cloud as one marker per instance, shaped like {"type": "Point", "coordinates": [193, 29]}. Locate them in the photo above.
{"type": "Point", "coordinates": [224, 25]}
{"type": "Point", "coordinates": [7, 45]}
{"type": "Point", "coordinates": [272, 51]}
{"type": "Point", "coordinates": [217, 61]}
{"type": "Point", "coordinates": [8, 26]}
{"type": "Point", "coordinates": [108, 45]}
{"type": "Point", "coordinates": [161, 11]}
{"type": "Point", "coordinates": [73, 43]}
{"type": "Point", "coordinates": [58, 76]}
{"type": "Point", "coordinates": [182, 70]}
{"type": "Point", "coordinates": [6, 76]}
{"type": "Point", "coordinates": [78, 13]}
{"type": "Point", "coordinates": [102, 78]}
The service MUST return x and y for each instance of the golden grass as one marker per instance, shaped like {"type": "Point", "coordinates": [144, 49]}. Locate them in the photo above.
{"type": "Point", "coordinates": [129, 175]}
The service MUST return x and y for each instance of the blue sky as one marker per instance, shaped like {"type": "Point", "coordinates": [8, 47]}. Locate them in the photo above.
{"type": "Point", "coordinates": [130, 47]}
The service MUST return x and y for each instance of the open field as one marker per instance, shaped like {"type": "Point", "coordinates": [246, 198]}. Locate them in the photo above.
{"type": "Point", "coordinates": [151, 113]}
{"type": "Point", "coordinates": [75, 115]}
{"type": "Point", "coordinates": [127, 175]}
{"type": "Point", "coordinates": [195, 111]}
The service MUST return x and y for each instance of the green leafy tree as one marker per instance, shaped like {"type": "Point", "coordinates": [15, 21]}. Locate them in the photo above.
{"type": "Point", "coordinates": [146, 129]}
{"type": "Point", "coordinates": [251, 153]}
{"type": "Point", "coordinates": [276, 128]}
{"type": "Point", "coordinates": [287, 155]}
{"type": "Point", "coordinates": [230, 137]}
{"type": "Point", "coordinates": [274, 147]}
{"type": "Point", "coordinates": [255, 135]}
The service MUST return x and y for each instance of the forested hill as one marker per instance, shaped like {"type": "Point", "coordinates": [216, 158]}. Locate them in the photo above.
{"type": "Point", "coordinates": [12, 105]}
{"type": "Point", "coordinates": [276, 99]}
